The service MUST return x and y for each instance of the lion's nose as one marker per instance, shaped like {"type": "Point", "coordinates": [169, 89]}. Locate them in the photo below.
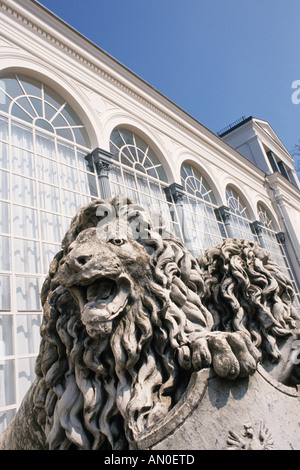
{"type": "Point", "coordinates": [82, 260]}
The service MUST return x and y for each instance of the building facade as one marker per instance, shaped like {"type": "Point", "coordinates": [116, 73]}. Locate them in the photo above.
{"type": "Point", "coordinates": [76, 125]}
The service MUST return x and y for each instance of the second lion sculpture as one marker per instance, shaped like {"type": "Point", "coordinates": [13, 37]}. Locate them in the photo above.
{"type": "Point", "coordinates": [129, 317]}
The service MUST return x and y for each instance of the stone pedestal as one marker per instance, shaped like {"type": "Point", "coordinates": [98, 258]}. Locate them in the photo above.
{"type": "Point", "coordinates": [217, 414]}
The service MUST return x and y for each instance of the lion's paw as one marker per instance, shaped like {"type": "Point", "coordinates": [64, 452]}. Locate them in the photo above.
{"type": "Point", "coordinates": [232, 355]}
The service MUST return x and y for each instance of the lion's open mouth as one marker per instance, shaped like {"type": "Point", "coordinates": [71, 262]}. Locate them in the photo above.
{"type": "Point", "coordinates": [100, 302]}
{"type": "Point", "coordinates": [102, 291]}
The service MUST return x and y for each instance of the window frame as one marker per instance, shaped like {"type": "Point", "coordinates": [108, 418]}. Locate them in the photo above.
{"type": "Point", "coordinates": [199, 200]}
{"type": "Point", "coordinates": [24, 161]}
{"type": "Point", "coordinates": [240, 222]}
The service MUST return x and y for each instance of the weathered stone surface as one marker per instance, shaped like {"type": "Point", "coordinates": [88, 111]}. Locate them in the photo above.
{"type": "Point", "coordinates": [24, 433]}
{"type": "Point", "coordinates": [253, 413]}
{"type": "Point", "coordinates": [130, 315]}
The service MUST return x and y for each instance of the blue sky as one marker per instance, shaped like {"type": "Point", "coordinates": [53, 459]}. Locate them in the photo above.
{"type": "Point", "coordinates": [216, 59]}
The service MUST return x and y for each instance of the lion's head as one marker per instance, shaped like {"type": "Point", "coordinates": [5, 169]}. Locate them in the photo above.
{"type": "Point", "coordinates": [103, 273]}
{"type": "Point", "coordinates": [127, 318]}
{"type": "Point", "coordinates": [247, 291]}
{"type": "Point", "coordinates": [119, 305]}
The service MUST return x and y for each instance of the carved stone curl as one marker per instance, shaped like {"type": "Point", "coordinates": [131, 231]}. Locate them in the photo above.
{"type": "Point", "coordinates": [129, 315]}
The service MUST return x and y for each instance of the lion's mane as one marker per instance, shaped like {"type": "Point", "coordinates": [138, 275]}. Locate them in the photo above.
{"type": "Point", "coordinates": [99, 393]}
{"type": "Point", "coordinates": [95, 393]}
{"type": "Point", "coordinates": [247, 291]}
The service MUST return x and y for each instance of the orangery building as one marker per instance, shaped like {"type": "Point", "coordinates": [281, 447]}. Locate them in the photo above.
{"type": "Point", "coordinates": [76, 125]}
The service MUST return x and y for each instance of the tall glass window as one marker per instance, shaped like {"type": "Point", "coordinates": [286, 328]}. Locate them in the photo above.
{"type": "Point", "coordinates": [43, 181]}
{"type": "Point", "coordinates": [239, 220]}
{"type": "Point", "coordinates": [138, 173]}
{"type": "Point", "coordinates": [202, 229]}
{"type": "Point", "coordinates": [273, 243]}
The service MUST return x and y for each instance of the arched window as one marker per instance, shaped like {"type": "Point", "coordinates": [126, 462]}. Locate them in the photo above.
{"type": "Point", "coordinates": [269, 236]}
{"type": "Point", "coordinates": [43, 181]}
{"type": "Point", "coordinates": [35, 103]}
{"type": "Point", "coordinates": [239, 221]}
{"type": "Point", "coordinates": [138, 173]}
{"type": "Point", "coordinates": [272, 240]}
{"type": "Point", "coordinates": [201, 227]}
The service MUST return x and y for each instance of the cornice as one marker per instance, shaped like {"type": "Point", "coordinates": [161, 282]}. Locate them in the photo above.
{"type": "Point", "coordinates": [49, 37]}
{"type": "Point", "coordinates": [91, 64]}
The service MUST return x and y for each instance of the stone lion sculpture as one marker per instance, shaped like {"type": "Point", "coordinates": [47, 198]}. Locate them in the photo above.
{"type": "Point", "coordinates": [130, 314]}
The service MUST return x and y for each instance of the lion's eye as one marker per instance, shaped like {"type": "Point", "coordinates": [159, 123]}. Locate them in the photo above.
{"type": "Point", "coordinates": [117, 241]}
